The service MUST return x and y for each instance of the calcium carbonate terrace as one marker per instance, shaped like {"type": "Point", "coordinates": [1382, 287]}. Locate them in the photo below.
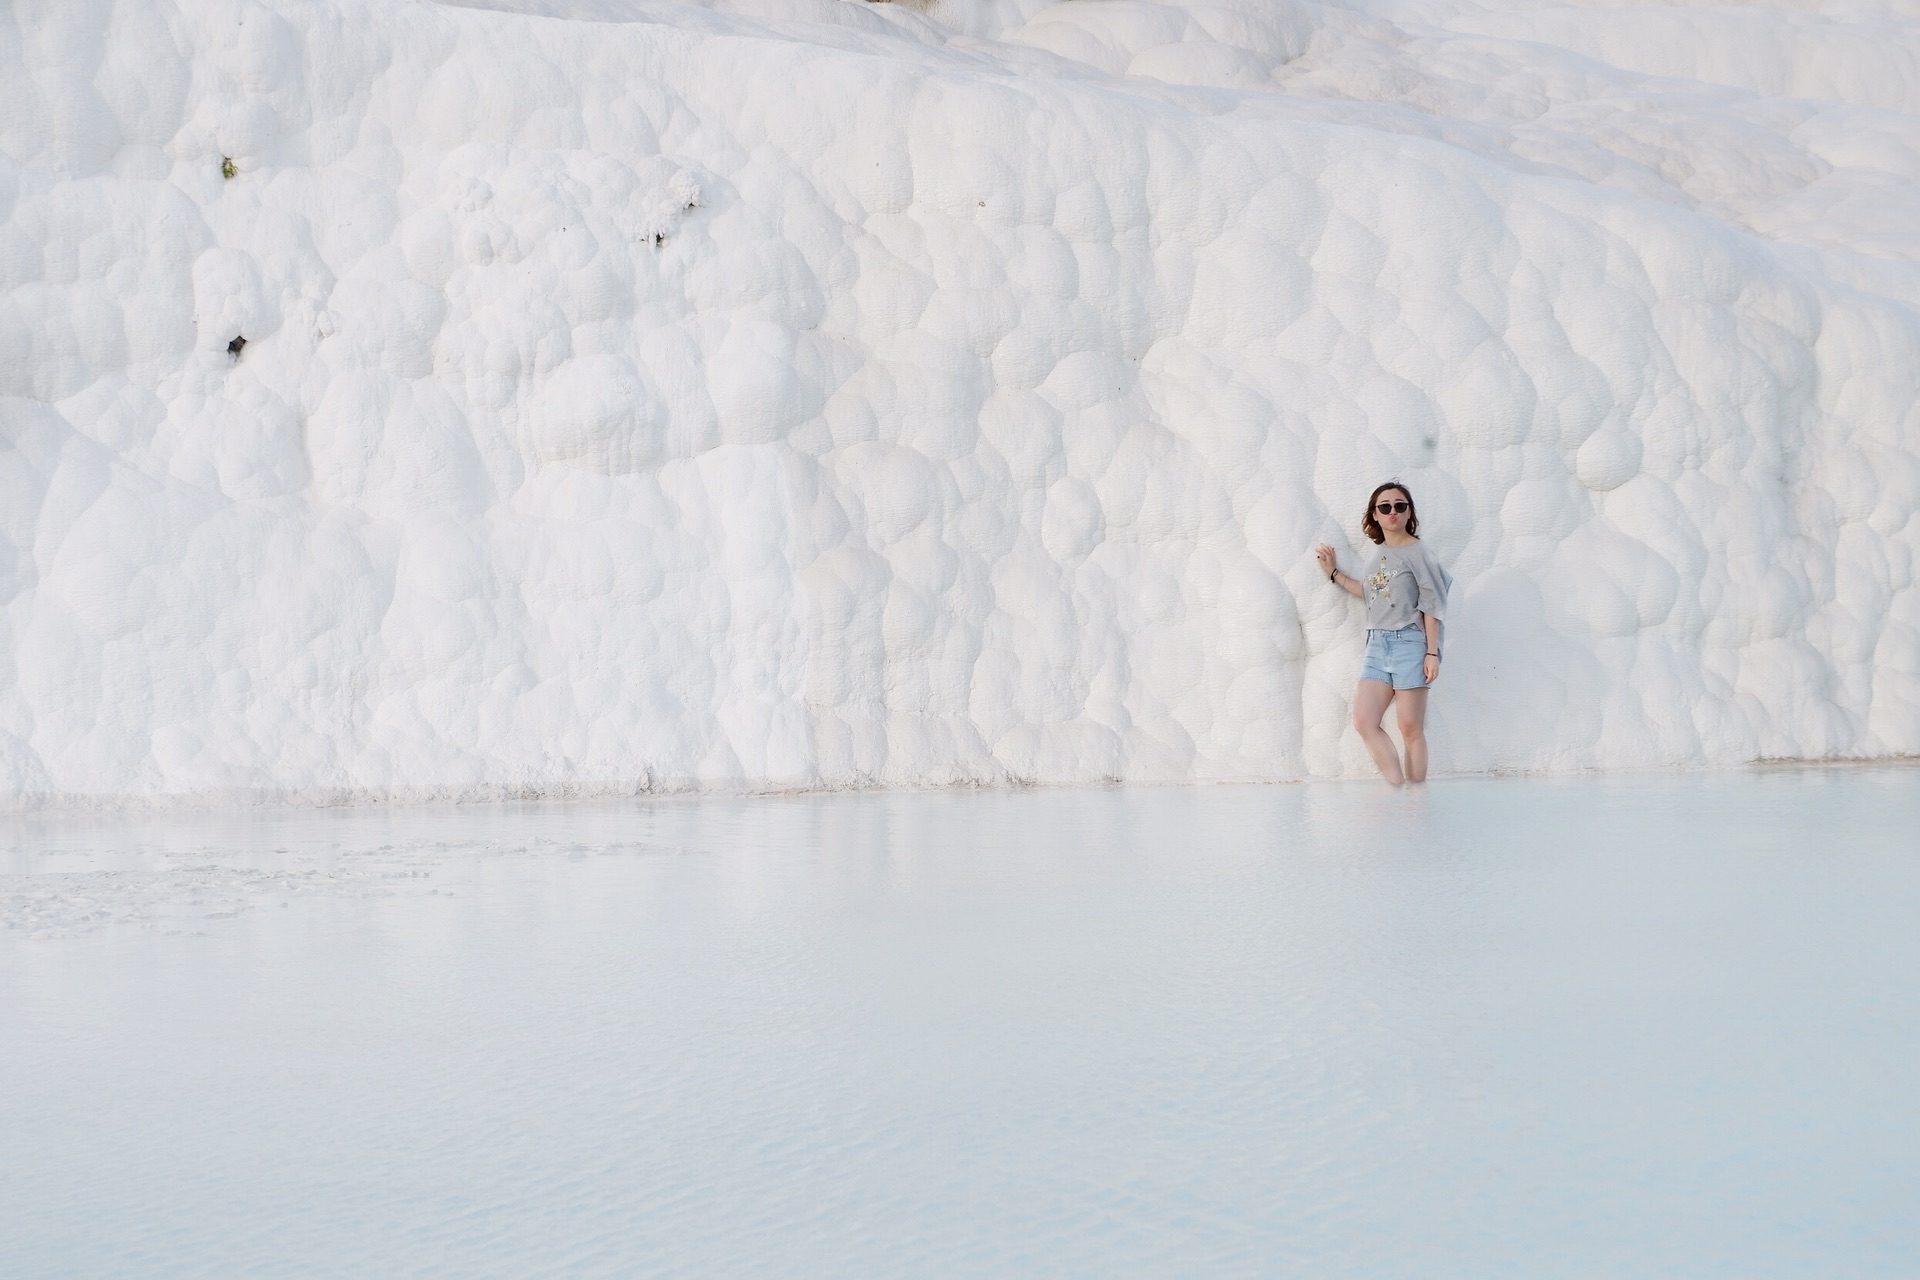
{"type": "Point", "coordinates": [410, 398]}
{"type": "Point", "coordinates": [807, 475]}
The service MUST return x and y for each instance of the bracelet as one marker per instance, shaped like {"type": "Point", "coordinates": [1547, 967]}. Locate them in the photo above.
{"type": "Point", "coordinates": [1334, 577]}
{"type": "Point", "coordinates": [1432, 654]}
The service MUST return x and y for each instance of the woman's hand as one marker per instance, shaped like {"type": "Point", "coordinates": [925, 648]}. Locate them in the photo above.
{"type": "Point", "coordinates": [1325, 555]}
{"type": "Point", "coordinates": [1431, 668]}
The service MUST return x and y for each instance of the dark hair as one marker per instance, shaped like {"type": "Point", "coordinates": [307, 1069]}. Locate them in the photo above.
{"type": "Point", "coordinates": [1370, 523]}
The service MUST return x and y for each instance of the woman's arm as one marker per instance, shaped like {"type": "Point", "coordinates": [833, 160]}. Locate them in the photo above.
{"type": "Point", "coordinates": [1349, 585]}
{"type": "Point", "coordinates": [1431, 625]}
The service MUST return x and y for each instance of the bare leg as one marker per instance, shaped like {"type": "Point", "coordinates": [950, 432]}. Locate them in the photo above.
{"type": "Point", "coordinates": [1410, 705]}
{"type": "Point", "coordinates": [1369, 708]}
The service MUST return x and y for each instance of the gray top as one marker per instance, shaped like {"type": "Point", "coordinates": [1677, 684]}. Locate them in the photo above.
{"type": "Point", "coordinates": [1401, 583]}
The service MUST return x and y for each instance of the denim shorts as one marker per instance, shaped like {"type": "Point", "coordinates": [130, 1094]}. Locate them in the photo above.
{"type": "Point", "coordinates": [1397, 658]}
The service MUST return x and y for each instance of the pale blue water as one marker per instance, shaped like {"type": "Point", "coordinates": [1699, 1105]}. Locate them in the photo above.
{"type": "Point", "coordinates": [1642, 1027]}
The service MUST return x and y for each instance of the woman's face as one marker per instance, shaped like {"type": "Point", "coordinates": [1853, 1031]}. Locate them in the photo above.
{"type": "Point", "coordinates": [1391, 509]}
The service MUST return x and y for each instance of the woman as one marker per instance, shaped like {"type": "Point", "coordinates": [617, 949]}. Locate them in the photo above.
{"type": "Point", "coordinates": [1406, 594]}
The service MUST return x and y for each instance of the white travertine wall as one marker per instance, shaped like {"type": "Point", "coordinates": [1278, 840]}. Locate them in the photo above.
{"type": "Point", "coordinates": [814, 393]}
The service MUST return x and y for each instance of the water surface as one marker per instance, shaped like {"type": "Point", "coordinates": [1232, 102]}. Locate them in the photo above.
{"type": "Point", "coordinates": [1591, 1027]}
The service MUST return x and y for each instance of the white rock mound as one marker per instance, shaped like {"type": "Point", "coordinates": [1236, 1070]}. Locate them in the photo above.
{"type": "Point", "coordinates": [401, 398]}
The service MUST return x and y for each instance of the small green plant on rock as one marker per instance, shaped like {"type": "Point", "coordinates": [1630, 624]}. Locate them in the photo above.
{"type": "Point", "coordinates": [227, 170]}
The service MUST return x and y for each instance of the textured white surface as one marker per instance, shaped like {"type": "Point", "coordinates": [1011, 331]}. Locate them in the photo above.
{"type": "Point", "coordinates": [815, 393]}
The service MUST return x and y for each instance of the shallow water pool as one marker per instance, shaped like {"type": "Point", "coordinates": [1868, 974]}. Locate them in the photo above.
{"type": "Point", "coordinates": [1659, 1026]}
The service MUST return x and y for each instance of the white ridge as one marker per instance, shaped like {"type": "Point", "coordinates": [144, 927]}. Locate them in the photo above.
{"type": "Point", "coordinates": [813, 393]}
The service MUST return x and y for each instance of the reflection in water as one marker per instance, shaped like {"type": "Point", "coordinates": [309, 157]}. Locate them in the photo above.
{"type": "Point", "coordinates": [1481, 1028]}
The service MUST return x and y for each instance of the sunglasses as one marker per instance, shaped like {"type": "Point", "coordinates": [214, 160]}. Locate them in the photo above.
{"type": "Point", "coordinates": [1394, 508]}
